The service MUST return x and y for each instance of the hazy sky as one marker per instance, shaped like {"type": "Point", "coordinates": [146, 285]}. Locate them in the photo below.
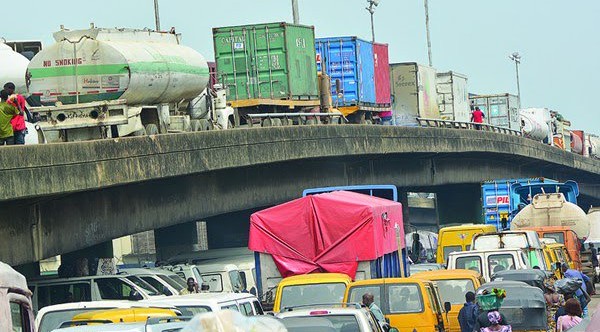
{"type": "Point", "coordinates": [558, 40]}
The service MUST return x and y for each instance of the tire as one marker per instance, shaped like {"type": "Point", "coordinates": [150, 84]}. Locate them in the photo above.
{"type": "Point", "coordinates": [151, 129]}
{"type": "Point", "coordinates": [205, 125]}
{"type": "Point", "coordinates": [141, 132]}
{"type": "Point", "coordinates": [267, 123]}
{"type": "Point", "coordinates": [277, 122]}
{"type": "Point", "coordinates": [195, 125]}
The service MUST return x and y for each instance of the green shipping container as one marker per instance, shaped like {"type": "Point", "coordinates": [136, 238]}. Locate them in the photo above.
{"type": "Point", "coordinates": [267, 61]}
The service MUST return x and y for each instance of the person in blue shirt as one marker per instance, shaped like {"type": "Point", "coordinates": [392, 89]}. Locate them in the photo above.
{"type": "Point", "coordinates": [468, 313]}
{"type": "Point", "coordinates": [576, 274]}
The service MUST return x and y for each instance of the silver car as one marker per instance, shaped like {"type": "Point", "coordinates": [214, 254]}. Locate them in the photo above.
{"type": "Point", "coordinates": [331, 319]}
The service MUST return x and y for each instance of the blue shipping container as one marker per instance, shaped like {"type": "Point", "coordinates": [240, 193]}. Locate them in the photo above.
{"type": "Point", "coordinates": [351, 61]}
{"type": "Point", "coordinates": [498, 203]}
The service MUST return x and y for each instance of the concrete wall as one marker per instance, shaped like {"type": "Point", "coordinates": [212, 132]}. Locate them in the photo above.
{"type": "Point", "coordinates": [72, 196]}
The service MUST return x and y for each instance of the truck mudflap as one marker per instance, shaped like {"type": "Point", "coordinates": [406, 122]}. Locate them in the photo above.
{"type": "Point", "coordinates": [94, 114]}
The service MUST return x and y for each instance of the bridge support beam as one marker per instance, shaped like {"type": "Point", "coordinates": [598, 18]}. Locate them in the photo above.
{"type": "Point", "coordinates": [76, 258]}
{"type": "Point", "coordinates": [459, 204]}
{"type": "Point", "coordinates": [172, 240]}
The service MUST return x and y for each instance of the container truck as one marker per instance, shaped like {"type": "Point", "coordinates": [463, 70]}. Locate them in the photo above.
{"type": "Point", "coordinates": [500, 110]}
{"type": "Point", "coordinates": [336, 232]}
{"type": "Point", "coordinates": [453, 96]}
{"type": "Point", "coordinates": [414, 93]}
{"type": "Point", "coordinates": [359, 75]}
{"type": "Point", "coordinates": [98, 83]}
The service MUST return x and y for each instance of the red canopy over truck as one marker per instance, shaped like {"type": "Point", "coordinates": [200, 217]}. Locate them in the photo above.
{"type": "Point", "coordinates": [329, 232]}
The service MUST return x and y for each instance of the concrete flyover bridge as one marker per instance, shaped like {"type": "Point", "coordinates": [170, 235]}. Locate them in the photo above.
{"type": "Point", "coordinates": [63, 197]}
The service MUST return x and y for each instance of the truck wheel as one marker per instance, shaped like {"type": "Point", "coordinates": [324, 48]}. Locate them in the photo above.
{"type": "Point", "coordinates": [205, 125]}
{"type": "Point", "coordinates": [267, 123]}
{"type": "Point", "coordinates": [195, 125]}
{"type": "Point", "coordinates": [151, 129]}
{"type": "Point", "coordinates": [277, 122]}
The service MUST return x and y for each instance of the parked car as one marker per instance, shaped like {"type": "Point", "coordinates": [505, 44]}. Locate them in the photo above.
{"type": "Point", "coordinates": [170, 324]}
{"type": "Point", "coordinates": [193, 304]}
{"type": "Point", "coordinates": [330, 319]}
{"type": "Point", "coordinates": [82, 289]}
{"type": "Point", "coordinates": [156, 278]}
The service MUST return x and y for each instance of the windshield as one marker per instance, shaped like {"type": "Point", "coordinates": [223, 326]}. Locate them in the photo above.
{"type": "Point", "coordinates": [155, 282]}
{"type": "Point", "coordinates": [214, 282]}
{"type": "Point", "coordinates": [236, 281]}
{"type": "Point", "coordinates": [450, 249]}
{"type": "Point", "coordinates": [404, 299]}
{"type": "Point", "coordinates": [144, 285]}
{"type": "Point", "coordinates": [325, 293]}
{"type": "Point", "coordinates": [558, 237]}
{"type": "Point", "coordinates": [173, 282]}
{"type": "Point", "coordinates": [500, 262]}
{"type": "Point", "coordinates": [52, 320]}
{"type": "Point", "coordinates": [469, 263]}
{"type": "Point", "coordinates": [454, 291]}
{"type": "Point", "coordinates": [193, 310]}
{"type": "Point", "coordinates": [323, 323]}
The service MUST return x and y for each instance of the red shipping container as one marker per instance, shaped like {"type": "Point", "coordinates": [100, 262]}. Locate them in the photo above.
{"type": "Point", "coordinates": [382, 74]}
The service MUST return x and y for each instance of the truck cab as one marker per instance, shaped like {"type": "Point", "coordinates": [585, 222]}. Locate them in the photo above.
{"type": "Point", "coordinates": [562, 235]}
{"type": "Point", "coordinates": [458, 238]}
{"type": "Point", "coordinates": [16, 309]}
{"type": "Point", "coordinates": [487, 262]}
{"type": "Point", "coordinates": [528, 241]}
{"type": "Point", "coordinates": [314, 288]}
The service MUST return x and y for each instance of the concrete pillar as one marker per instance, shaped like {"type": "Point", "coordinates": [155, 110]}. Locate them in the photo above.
{"type": "Point", "coordinates": [172, 240]}
{"type": "Point", "coordinates": [74, 260]}
{"type": "Point", "coordinates": [459, 204]}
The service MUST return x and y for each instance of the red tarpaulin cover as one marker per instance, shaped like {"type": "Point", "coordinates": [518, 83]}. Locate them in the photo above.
{"type": "Point", "coordinates": [329, 232]}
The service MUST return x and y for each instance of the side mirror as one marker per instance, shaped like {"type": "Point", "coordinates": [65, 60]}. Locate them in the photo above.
{"type": "Point", "coordinates": [135, 296]}
{"type": "Point", "coordinates": [447, 306]}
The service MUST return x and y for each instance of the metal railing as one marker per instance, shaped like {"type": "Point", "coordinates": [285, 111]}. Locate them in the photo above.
{"type": "Point", "coordinates": [439, 123]}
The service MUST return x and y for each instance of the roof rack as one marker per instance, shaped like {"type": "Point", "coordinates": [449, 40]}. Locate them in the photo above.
{"type": "Point", "coordinates": [356, 305]}
{"type": "Point", "coordinates": [70, 323]}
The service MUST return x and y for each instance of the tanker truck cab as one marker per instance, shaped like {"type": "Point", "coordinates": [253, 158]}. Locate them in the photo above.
{"type": "Point", "coordinates": [309, 289]}
{"type": "Point", "coordinates": [562, 235]}
{"type": "Point", "coordinates": [458, 238]}
{"type": "Point", "coordinates": [16, 309]}
{"type": "Point", "coordinates": [487, 262]}
{"type": "Point", "coordinates": [528, 241]}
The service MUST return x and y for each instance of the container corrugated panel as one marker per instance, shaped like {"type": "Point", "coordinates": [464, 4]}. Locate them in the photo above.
{"type": "Point", "coordinates": [267, 61]}
{"type": "Point", "coordinates": [500, 109]}
{"type": "Point", "coordinates": [382, 74]}
{"type": "Point", "coordinates": [349, 60]}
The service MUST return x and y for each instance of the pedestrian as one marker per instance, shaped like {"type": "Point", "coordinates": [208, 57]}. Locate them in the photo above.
{"type": "Point", "coordinates": [497, 323]}
{"type": "Point", "coordinates": [18, 121]}
{"type": "Point", "coordinates": [192, 287]}
{"type": "Point", "coordinates": [368, 300]}
{"type": "Point", "coordinates": [468, 313]}
{"type": "Point", "coordinates": [554, 301]}
{"type": "Point", "coordinates": [581, 293]}
{"type": "Point", "coordinates": [572, 317]}
{"type": "Point", "coordinates": [7, 112]}
{"type": "Point", "coordinates": [477, 116]}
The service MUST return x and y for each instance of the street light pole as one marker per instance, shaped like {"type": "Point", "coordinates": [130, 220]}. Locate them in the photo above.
{"type": "Point", "coordinates": [516, 57]}
{"type": "Point", "coordinates": [371, 10]}
{"type": "Point", "coordinates": [428, 37]}
{"type": "Point", "coordinates": [156, 16]}
{"type": "Point", "coordinates": [295, 12]}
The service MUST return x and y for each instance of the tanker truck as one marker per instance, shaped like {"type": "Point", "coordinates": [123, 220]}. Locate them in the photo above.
{"type": "Point", "coordinates": [536, 124]}
{"type": "Point", "coordinates": [12, 68]}
{"type": "Point", "coordinates": [100, 83]}
{"type": "Point", "coordinates": [552, 216]}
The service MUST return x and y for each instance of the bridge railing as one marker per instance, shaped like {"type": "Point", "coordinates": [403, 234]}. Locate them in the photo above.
{"type": "Point", "coordinates": [439, 123]}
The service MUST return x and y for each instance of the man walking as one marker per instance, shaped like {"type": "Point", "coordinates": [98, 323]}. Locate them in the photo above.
{"type": "Point", "coordinates": [7, 112]}
{"type": "Point", "coordinates": [18, 121]}
{"type": "Point", "coordinates": [477, 116]}
{"type": "Point", "coordinates": [468, 313]}
{"type": "Point", "coordinates": [369, 301]}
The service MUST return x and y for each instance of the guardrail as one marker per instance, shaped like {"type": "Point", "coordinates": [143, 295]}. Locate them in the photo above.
{"type": "Point", "coordinates": [439, 123]}
{"type": "Point", "coordinates": [285, 119]}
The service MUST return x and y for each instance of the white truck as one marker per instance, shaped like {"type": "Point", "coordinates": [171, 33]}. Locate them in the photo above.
{"type": "Point", "coordinates": [414, 93]}
{"type": "Point", "coordinates": [100, 83]}
{"type": "Point", "coordinates": [453, 96]}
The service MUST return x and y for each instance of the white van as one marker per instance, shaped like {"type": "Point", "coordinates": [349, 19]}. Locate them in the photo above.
{"type": "Point", "coordinates": [194, 304]}
{"type": "Point", "coordinates": [159, 279]}
{"type": "Point", "coordinates": [245, 265]}
{"type": "Point", "coordinates": [488, 262]}
{"type": "Point", "coordinates": [219, 277]}
{"type": "Point", "coordinates": [91, 288]}
{"type": "Point", "coordinates": [16, 309]}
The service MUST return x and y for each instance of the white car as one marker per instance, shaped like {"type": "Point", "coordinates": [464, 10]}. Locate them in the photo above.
{"type": "Point", "coordinates": [220, 278]}
{"type": "Point", "coordinates": [171, 324]}
{"type": "Point", "coordinates": [51, 317]}
{"type": "Point", "coordinates": [331, 319]}
{"type": "Point", "coordinates": [161, 280]}
{"type": "Point", "coordinates": [193, 304]}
